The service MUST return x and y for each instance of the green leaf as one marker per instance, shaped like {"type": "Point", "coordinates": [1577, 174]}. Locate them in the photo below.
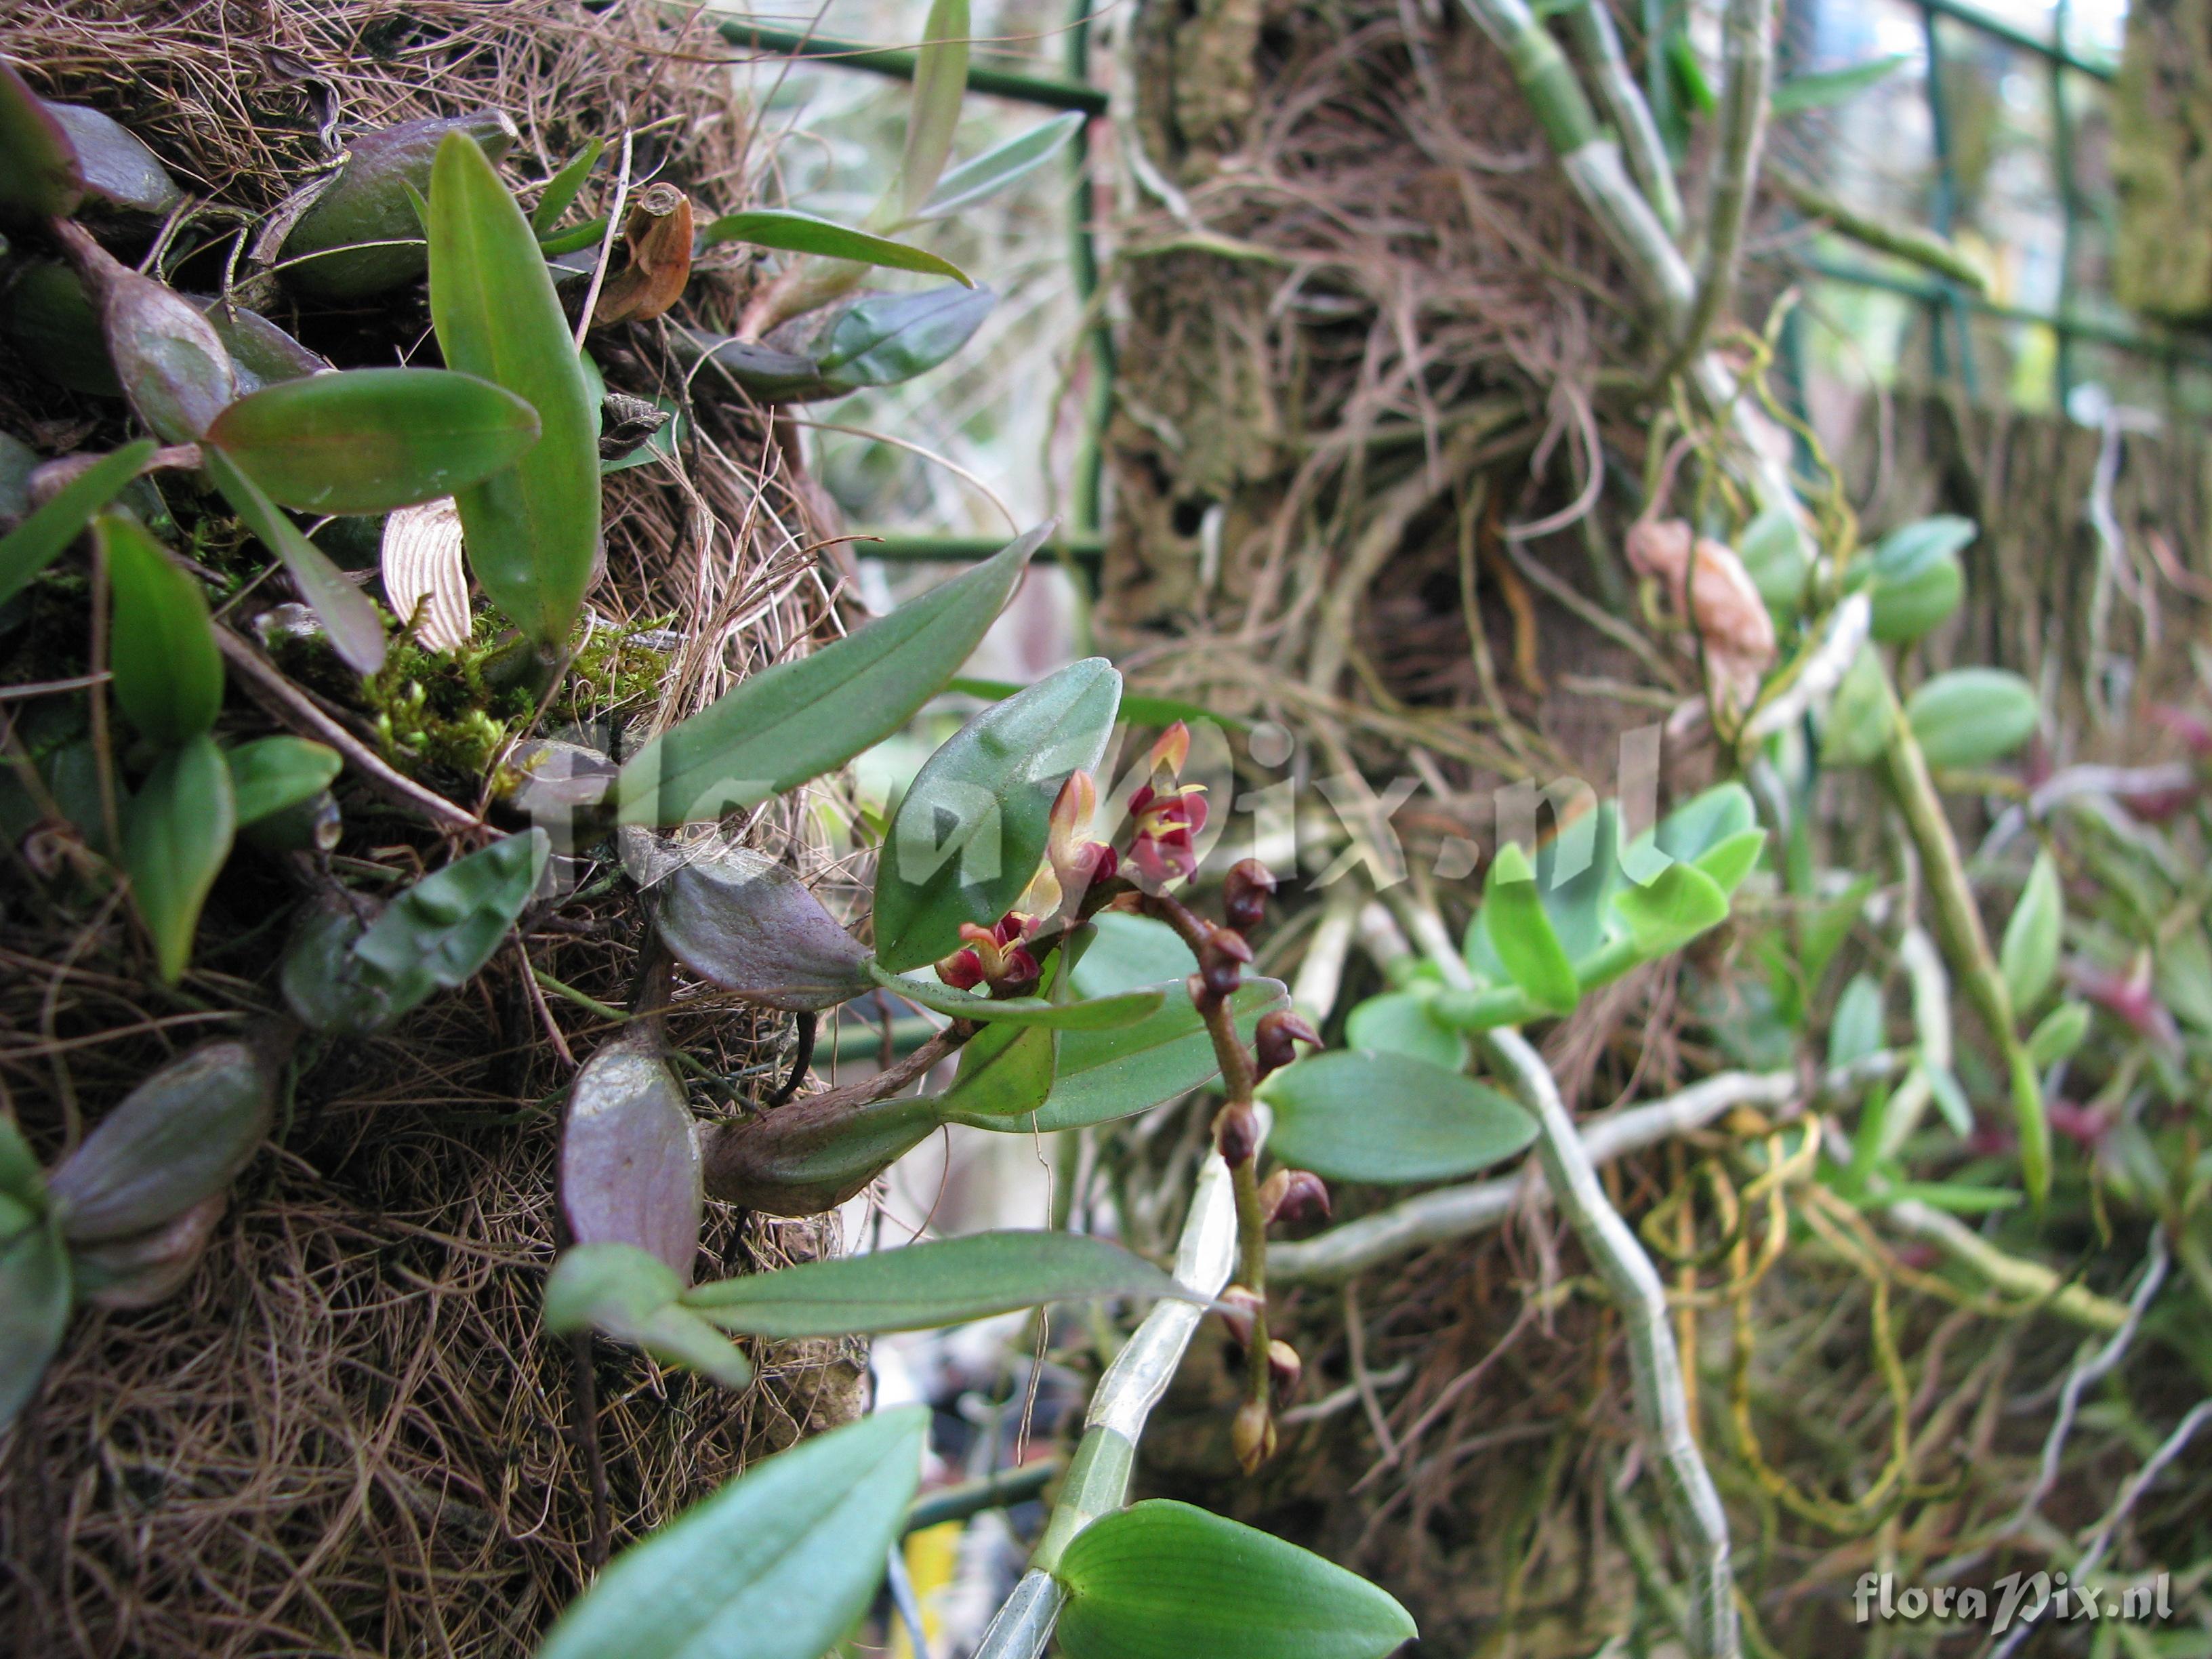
{"type": "Point", "coordinates": [176, 834]}
{"type": "Point", "coordinates": [802, 233]}
{"type": "Point", "coordinates": [2029, 955]}
{"type": "Point", "coordinates": [1831, 87]}
{"type": "Point", "coordinates": [778, 1564]}
{"type": "Point", "coordinates": [348, 615]}
{"type": "Point", "coordinates": [970, 830]}
{"type": "Point", "coordinates": [1136, 709]}
{"type": "Point", "coordinates": [174, 1141]}
{"type": "Point", "coordinates": [21, 1178]}
{"type": "Point", "coordinates": [170, 362]}
{"type": "Point", "coordinates": [630, 1170]}
{"type": "Point", "coordinates": [574, 240]}
{"type": "Point", "coordinates": [940, 85]}
{"type": "Point", "coordinates": [39, 176]}
{"type": "Point", "coordinates": [38, 540]}
{"type": "Point", "coordinates": [805, 717]}
{"type": "Point", "coordinates": [1005, 1072]}
{"type": "Point", "coordinates": [998, 167]}
{"type": "Point", "coordinates": [167, 668]}
{"type": "Point", "coordinates": [2059, 1033]}
{"type": "Point", "coordinates": [1091, 1014]}
{"type": "Point", "coordinates": [1689, 75]}
{"type": "Point", "coordinates": [1773, 550]}
{"type": "Point", "coordinates": [1400, 1022]}
{"type": "Point", "coordinates": [1521, 933]}
{"type": "Point", "coordinates": [1971, 716]}
{"type": "Point", "coordinates": [369, 440]}
{"type": "Point", "coordinates": [1162, 1580]}
{"type": "Point", "coordinates": [1109, 1074]}
{"type": "Point", "coordinates": [441, 931]}
{"type": "Point", "coordinates": [532, 530]}
{"type": "Point", "coordinates": [367, 232]}
{"type": "Point", "coordinates": [35, 1310]}
{"type": "Point", "coordinates": [563, 188]}
{"type": "Point", "coordinates": [919, 1286]}
{"type": "Point", "coordinates": [270, 774]}
{"type": "Point", "coordinates": [1682, 903]}
{"type": "Point", "coordinates": [886, 339]}
{"type": "Point", "coordinates": [1727, 863]}
{"type": "Point", "coordinates": [1355, 1116]}
{"type": "Point", "coordinates": [742, 921]}
{"type": "Point", "coordinates": [115, 166]}
{"type": "Point", "coordinates": [1914, 577]}
{"type": "Point", "coordinates": [1950, 1099]}
{"type": "Point", "coordinates": [1858, 1028]}
{"type": "Point", "coordinates": [1128, 951]}
{"type": "Point", "coordinates": [1861, 715]}
{"type": "Point", "coordinates": [630, 1295]}
{"type": "Point", "coordinates": [1956, 1196]}
{"type": "Point", "coordinates": [1705, 822]}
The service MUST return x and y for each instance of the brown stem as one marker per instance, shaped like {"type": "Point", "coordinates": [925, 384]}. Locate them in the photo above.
{"type": "Point", "coordinates": [801, 1058]}
{"type": "Point", "coordinates": [583, 1399]}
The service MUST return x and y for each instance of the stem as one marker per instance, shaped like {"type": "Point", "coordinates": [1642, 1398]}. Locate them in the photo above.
{"type": "Point", "coordinates": [1907, 242]}
{"type": "Point", "coordinates": [1591, 24]}
{"type": "Point", "coordinates": [1098, 1474]}
{"type": "Point", "coordinates": [1693, 1506]}
{"type": "Point", "coordinates": [1958, 925]}
{"type": "Point", "coordinates": [1747, 54]}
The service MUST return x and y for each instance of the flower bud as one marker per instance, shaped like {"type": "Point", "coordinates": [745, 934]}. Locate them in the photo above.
{"type": "Point", "coordinates": [962, 971]}
{"type": "Point", "coordinates": [1170, 752]}
{"type": "Point", "coordinates": [1285, 1368]}
{"type": "Point", "coordinates": [1240, 1306]}
{"type": "Point", "coordinates": [1253, 1436]}
{"type": "Point", "coordinates": [1294, 1195]}
{"type": "Point", "coordinates": [1236, 1132]}
{"type": "Point", "coordinates": [1221, 962]}
{"type": "Point", "coordinates": [1276, 1034]}
{"type": "Point", "coordinates": [1245, 892]}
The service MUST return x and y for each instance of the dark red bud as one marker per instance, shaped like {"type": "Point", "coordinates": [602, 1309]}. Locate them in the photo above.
{"type": "Point", "coordinates": [1276, 1034]}
{"type": "Point", "coordinates": [1221, 962]}
{"type": "Point", "coordinates": [1294, 1195]}
{"type": "Point", "coordinates": [1236, 1132]}
{"type": "Point", "coordinates": [1239, 1308]}
{"type": "Point", "coordinates": [1021, 975]}
{"type": "Point", "coordinates": [1244, 894]}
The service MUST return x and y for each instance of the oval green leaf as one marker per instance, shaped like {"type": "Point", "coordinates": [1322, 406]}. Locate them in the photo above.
{"type": "Point", "coordinates": [115, 166]}
{"type": "Point", "coordinates": [176, 834]}
{"type": "Point", "coordinates": [348, 615]}
{"type": "Point", "coordinates": [629, 1296]}
{"type": "Point", "coordinates": [1400, 1022]}
{"type": "Point", "coordinates": [803, 233]}
{"type": "Point", "coordinates": [1971, 716]}
{"type": "Point", "coordinates": [173, 1142]}
{"type": "Point", "coordinates": [803, 718]}
{"type": "Point", "coordinates": [778, 1564]}
{"type": "Point", "coordinates": [1680, 904]}
{"type": "Point", "coordinates": [1354, 1116]}
{"type": "Point", "coordinates": [1163, 1580]}
{"type": "Point", "coordinates": [2029, 955]}
{"type": "Point", "coordinates": [970, 830]}
{"type": "Point", "coordinates": [1005, 1072]}
{"type": "Point", "coordinates": [1521, 933]}
{"type": "Point", "coordinates": [437, 933]}
{"type": "Point", "coordinates": [38, 541]}
{"type": "Point", "coordinates": [369, 440]}
{"type": "Point", "coordinates": [923, 1285]}
{"type": "Point", "coordinates": [998, 167]}
{"type": "Point", "coordinates": [270, 774]}
{"type": "Point", "coordinates": [171, 363]}
{"type": "Point", "coordinates": [1856, 1029]}
{"type": "Point", "coordinates": [167, 668]}
{"type": "Point", "coordinates": [885, 339]}
{"type": "Point", "coordinates": [1914, 577]}
{"type": "Point", "coordinates": [532, 530]}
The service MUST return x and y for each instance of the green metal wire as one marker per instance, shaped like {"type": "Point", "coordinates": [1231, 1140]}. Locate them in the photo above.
{"type": "Point", "coordinates": [1943, 211]}
{"type": "Point", "coordinates": [897, 62]}
{"type": "Point", "coordinates": [2062, 163]}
